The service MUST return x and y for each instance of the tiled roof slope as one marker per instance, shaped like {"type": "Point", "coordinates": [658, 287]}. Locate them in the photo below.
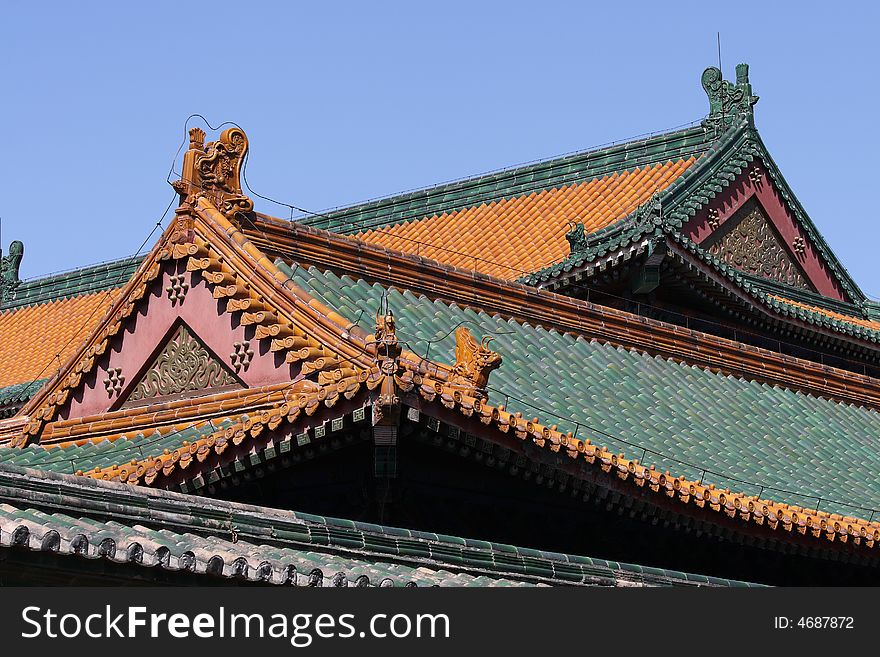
{"type": "Point", "coordinates": [86, 280]}
{"type": "Point", "coordinates": [748, 436]}
{"type": "Point", "coordinates": [70, 458]}
{"type": "Point", "coordinates": [512, 204]}
{"type": "Point", "coordinates": [831, 314]}
{"type": "Point", "coordinates": [36, 340]}
{"type": "Point", "coordinates": [512, 237]}
{"type": "Point", "coordinates": [81, 517]}
{"type": "Point", "coordinates": [20, 392]}
{"type": "Point", "coordinates": [42, 325]}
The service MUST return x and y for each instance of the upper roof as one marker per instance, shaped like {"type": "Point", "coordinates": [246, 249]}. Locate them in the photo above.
{"type": "Point", "coordinates": [513, 222]}
{"type": "Point", "coordinates": [513, 237]}
{"type": "Point", "coordinates": [560, 221]}
{"type": "Point", "coordinates": [565, 171]}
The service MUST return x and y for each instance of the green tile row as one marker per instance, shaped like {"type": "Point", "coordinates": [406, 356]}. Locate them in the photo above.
{"type": "Point", "coordinates": [106, 453]}
{"type": "Point", "coordinates": [277, 540]}
{"type": "Point", "coordinates": [86, 280]}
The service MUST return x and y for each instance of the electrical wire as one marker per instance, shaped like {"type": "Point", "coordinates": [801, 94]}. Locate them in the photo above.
{"type": "Point", "coordinates": [100, 306]}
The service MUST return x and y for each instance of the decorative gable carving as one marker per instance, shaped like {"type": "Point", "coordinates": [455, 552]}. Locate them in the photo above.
{"type": "Point", "coordinates": [183, 366]}
{"type": "Point", "coordinates": [215, 169]}
{"type": "Point", "coordinates": [749, 243]}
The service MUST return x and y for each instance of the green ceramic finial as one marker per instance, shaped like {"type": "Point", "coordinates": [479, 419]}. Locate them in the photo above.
{"type": "Point", "coordinates": [576, 236]}
{"type": "Point", "coordinates": [728, 102]}
{"type": "Point", "coordinates": [9, 265]}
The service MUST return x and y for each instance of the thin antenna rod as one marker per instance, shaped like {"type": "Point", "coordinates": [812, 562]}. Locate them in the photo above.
{"type": "Point", "coordinates": [720, 75]}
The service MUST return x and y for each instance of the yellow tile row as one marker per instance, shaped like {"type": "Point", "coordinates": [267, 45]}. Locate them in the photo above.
{"type": "Point", "coordinates": [511, 237]}
{"type": "Point", "coordinates": [37, 340]}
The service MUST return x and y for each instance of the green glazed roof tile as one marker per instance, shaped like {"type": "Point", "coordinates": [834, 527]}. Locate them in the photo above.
{"type": "Point", "coordinates": [185, 538]}
{"type": "Point", "coordinates": [17, 394]}
{"type": "Point", "coordinates": [99, 455]}
{"type": "Point", "coordinates": [744, 435]}
{"type": "Point", "coordinates": [87, 280]}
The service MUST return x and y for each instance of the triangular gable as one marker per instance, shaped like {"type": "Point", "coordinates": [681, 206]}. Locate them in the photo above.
{"type": "Point", "coordinates": [750, 227]}
{"type": "Point", "coordinates": [749, 242]}
{"type": "Point", "coordinates": [736, 170]}
{"type": "Point", "coordinates": [244, 340]}
{"type": "Point", "coordinates": [184, 366]}
{"type": "Point", "coordinates": [279, 341]}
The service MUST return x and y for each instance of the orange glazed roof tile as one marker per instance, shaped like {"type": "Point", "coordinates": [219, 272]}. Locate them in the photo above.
{"type": "Point", "coordinates": [44, 320]}
{"type": "Point", "coordinates": [515, 236]}
{"type": "Point", "coordinates": [33, 335]}
{"type": "Point", "coordinates": [840, 317]}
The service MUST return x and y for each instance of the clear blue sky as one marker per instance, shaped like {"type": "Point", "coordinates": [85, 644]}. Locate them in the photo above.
{"type": "Point", "coordinates": [345, 102]}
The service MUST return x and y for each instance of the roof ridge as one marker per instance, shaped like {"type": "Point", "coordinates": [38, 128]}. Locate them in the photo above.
{"type": "Point", "coordinates": [394, 544]}
{"type": "Point", "coordinates": [71, 283]}
{"type": "Point", "coordinates": [606, 160]}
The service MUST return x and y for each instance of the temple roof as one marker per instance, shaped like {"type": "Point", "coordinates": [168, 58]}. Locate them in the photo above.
{"type": "Point", "coordinates": [514, 222]}
{"type": "Point", "coordinates": [559, 222]}
{"type": "Point", "coordinates": [299, 339]}
{"type": "Point", "coordinates": [720, 429]}
{"type": "Point", "coordinates": [642, 154]}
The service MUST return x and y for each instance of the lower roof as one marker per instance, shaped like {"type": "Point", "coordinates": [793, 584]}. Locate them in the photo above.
{"type": "Point", "coordinates": [37, 340]}
{"type": "Point", "coordinates": [742, 435]}
{"type": "Point", "coordinates": [77, 518]}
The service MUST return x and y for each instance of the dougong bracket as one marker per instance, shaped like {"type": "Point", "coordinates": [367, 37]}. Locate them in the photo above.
{"type": "Point", "coordinates": [386, 410]}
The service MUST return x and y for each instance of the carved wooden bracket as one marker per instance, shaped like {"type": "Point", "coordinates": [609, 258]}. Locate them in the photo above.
{"type": "Point", "coordinates": [386, 411]}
